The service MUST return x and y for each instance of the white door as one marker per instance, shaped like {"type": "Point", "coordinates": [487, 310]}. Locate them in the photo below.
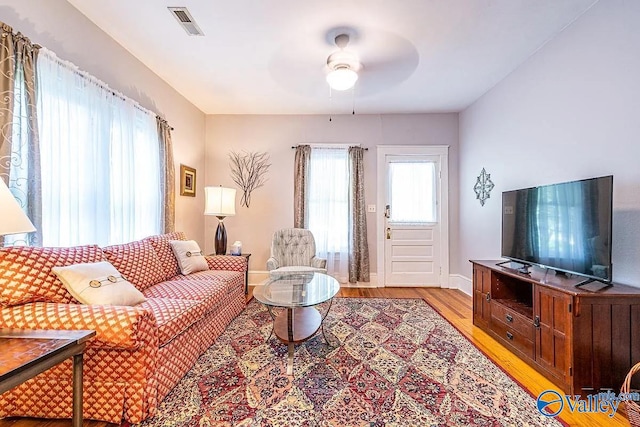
{"type": "Point", "coordinates": [412, 220]}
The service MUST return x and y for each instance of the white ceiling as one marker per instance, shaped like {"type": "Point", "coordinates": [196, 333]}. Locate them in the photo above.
{"type": "Point", "coordinates": [269, 56]}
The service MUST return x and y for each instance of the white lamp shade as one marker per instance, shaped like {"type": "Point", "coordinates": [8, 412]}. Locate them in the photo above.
{"type": "Point", "coordinates": [12, 219]}
{"type": "Point", "coordinates": [342, 78]}
{"type": "Point", "coordinates": [219, 201]}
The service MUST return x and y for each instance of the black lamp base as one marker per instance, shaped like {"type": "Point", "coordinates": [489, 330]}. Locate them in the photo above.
{"type": "Point", "coordinates": [221, 238]}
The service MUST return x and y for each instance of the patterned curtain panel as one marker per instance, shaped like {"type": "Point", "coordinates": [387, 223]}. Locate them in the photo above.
{"type": "Point", "coordinates": [358, 245]}
{"type": "Point", "coordinates": [300, 184]}
{"type": "Point", "coordinates": [168, 176]}
{"type": "Point", "coordinates": [19, 140]}
{"type": "Point", "coordinates": [7, 81]}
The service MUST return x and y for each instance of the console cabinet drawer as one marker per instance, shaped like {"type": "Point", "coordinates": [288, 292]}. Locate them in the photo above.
{"type": "Point", "coordinates": [513, 338]}
{"type": "Point", "coordinates": [513, 320]}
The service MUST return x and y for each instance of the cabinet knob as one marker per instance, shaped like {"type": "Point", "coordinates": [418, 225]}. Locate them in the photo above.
{"type": "Point", "coordinates": [488, 297]}
{"type": "Point", "coordinates": [536, 321]}
{"type": "Point", "coordinates": [509, 318]}
{"type": "Point", "coordinates": [509, 336]}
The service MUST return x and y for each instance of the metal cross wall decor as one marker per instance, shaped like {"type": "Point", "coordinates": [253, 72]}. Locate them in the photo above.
{"type": "Point", "coordinates": [483, 186]}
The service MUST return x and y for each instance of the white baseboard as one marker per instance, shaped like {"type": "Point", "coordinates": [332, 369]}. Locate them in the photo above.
{"type": "Point", "coordinates": [257, 278]}
{"type": "Point", "coordinates": [460, 282]}
{"type": "Point", "coordinates": [456, 281]}
{"type": "Point", "coordinates": [372, 283]}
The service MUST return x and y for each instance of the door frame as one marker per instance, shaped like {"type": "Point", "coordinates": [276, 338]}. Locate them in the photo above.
{"type": "Point", "coordinates": [440, 151]}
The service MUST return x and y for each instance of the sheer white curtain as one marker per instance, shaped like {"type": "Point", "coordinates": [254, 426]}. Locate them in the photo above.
{"type": "Point", "coordinates": [100, 160]}
{"type": "Point", "coordinates": [414, 203]}
{"type": "Point", "coordinates": [328, 204]}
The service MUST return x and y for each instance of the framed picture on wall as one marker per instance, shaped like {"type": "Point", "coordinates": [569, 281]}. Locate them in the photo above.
{"type": "Point", "coordinates": [187, 181]}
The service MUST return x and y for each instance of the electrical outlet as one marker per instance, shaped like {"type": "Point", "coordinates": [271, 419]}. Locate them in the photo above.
{"type": "Point", "coordinates": [371, 208]}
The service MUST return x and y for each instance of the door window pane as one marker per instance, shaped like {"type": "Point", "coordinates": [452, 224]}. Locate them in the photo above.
{"type": "Point", "coordinates": [412, 187]}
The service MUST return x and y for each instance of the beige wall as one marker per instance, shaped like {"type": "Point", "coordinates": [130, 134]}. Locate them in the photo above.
{"type": "Point", "coordinates": [272, 205]}
{"type": "Point", "coordinates": [58, 26]}
{"type": "Point", "coordinates": [570, 112]}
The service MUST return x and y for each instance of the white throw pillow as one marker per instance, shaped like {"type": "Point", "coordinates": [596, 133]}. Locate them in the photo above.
{"type": "Point", "coordinates": [190, 257]}
{"type": "Point", "coordinates": [98, 283]}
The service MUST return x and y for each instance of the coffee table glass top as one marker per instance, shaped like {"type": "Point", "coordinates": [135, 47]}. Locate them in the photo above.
{"type": "Point", "coordinates": [297, 290]}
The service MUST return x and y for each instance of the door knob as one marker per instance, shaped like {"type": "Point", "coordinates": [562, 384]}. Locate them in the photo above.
{"type": "Point", "coordinates": [387, 211]}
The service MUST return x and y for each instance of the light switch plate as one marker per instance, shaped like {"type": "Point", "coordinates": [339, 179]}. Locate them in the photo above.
{"type": "Point", "coordinates": [371, 208]}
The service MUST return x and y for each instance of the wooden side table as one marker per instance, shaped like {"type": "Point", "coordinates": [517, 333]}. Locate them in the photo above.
{"type": "Point", "coordinates": [27, 353]}
{"type": "Point", "coordinates": [246, 274]}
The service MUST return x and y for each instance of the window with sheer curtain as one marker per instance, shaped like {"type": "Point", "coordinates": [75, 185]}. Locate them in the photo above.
{"type": "Point", "coordinates": [100, 160]}
{"type": "Point", "coordinates": [328, 207]}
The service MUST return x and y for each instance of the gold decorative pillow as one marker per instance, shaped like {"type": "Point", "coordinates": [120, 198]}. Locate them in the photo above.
{"type": "Point", "coordinates": [98, 283]}
{"type": "Point", "coordinates": [190, 257]}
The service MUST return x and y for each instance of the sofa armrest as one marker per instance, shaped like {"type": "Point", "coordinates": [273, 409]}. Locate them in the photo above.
{"type": "Point", "coordinates": [318, 262]}
{"type": "Point", "coordinates": [121, 327]}
{"type": "Point", "coordinates": [272, 264]}
{"type": "Point", "coordinates": [227, 262]}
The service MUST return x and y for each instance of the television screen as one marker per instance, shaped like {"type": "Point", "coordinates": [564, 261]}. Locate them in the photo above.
{"type": "Point", "coordinates": [565, 227]}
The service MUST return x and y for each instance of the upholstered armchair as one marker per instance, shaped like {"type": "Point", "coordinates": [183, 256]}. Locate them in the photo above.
{"type": "Point", "coordinates": [294, 250]}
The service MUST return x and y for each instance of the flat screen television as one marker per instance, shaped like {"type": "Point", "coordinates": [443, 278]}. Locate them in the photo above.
{"type": "Point", "coordinates": [565, 227]}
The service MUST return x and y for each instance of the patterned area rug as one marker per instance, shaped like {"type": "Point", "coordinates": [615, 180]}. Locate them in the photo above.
{"type": "Point", "coordinates": [399, 363]}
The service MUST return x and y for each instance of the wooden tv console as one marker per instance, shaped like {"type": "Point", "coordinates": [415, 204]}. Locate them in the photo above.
{"type": "Point", "coordinates": [582, 341]}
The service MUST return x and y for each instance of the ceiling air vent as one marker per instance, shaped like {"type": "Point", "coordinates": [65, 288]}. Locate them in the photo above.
{"type": "Point", "coordinates": [186, 20]}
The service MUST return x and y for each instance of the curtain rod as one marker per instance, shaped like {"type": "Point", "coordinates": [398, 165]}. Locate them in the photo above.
{"type": "Point", "coordinates": [97, 82]}
{"type": "Point", "coordinates": [5, 28]}
{"type": "Point", "coordinates": [330, 146]}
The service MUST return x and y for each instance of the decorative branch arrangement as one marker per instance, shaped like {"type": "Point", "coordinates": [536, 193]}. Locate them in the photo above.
{"type": "Point", "coordinates": [249, 171]}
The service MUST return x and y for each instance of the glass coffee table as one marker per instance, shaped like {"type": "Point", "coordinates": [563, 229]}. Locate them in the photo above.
{"type": "Point", "coordinates": [298, 293]}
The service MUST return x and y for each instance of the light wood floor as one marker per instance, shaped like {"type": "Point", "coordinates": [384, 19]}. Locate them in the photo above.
{"type": "Point", "coordinates": [455, 306]}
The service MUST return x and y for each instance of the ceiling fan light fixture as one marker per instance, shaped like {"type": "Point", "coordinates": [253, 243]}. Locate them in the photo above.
{"type": "Point", "coordinates": [342, 78]}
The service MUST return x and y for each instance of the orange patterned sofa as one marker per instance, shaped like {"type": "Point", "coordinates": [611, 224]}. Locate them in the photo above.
{"type": "Point", "coordinates": [139, 353]}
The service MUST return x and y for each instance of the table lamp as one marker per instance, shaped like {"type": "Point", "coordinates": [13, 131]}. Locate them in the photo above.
{"type": "Point", "coordinates": [220, 202]}
{"type": "Point", "coordinates": [12, 219]}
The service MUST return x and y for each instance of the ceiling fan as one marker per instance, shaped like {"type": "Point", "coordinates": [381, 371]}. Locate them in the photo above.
{"type": "Point", "coordinates": [374, 60]}
{"type": "Point", "coordinates": [343, 65]}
